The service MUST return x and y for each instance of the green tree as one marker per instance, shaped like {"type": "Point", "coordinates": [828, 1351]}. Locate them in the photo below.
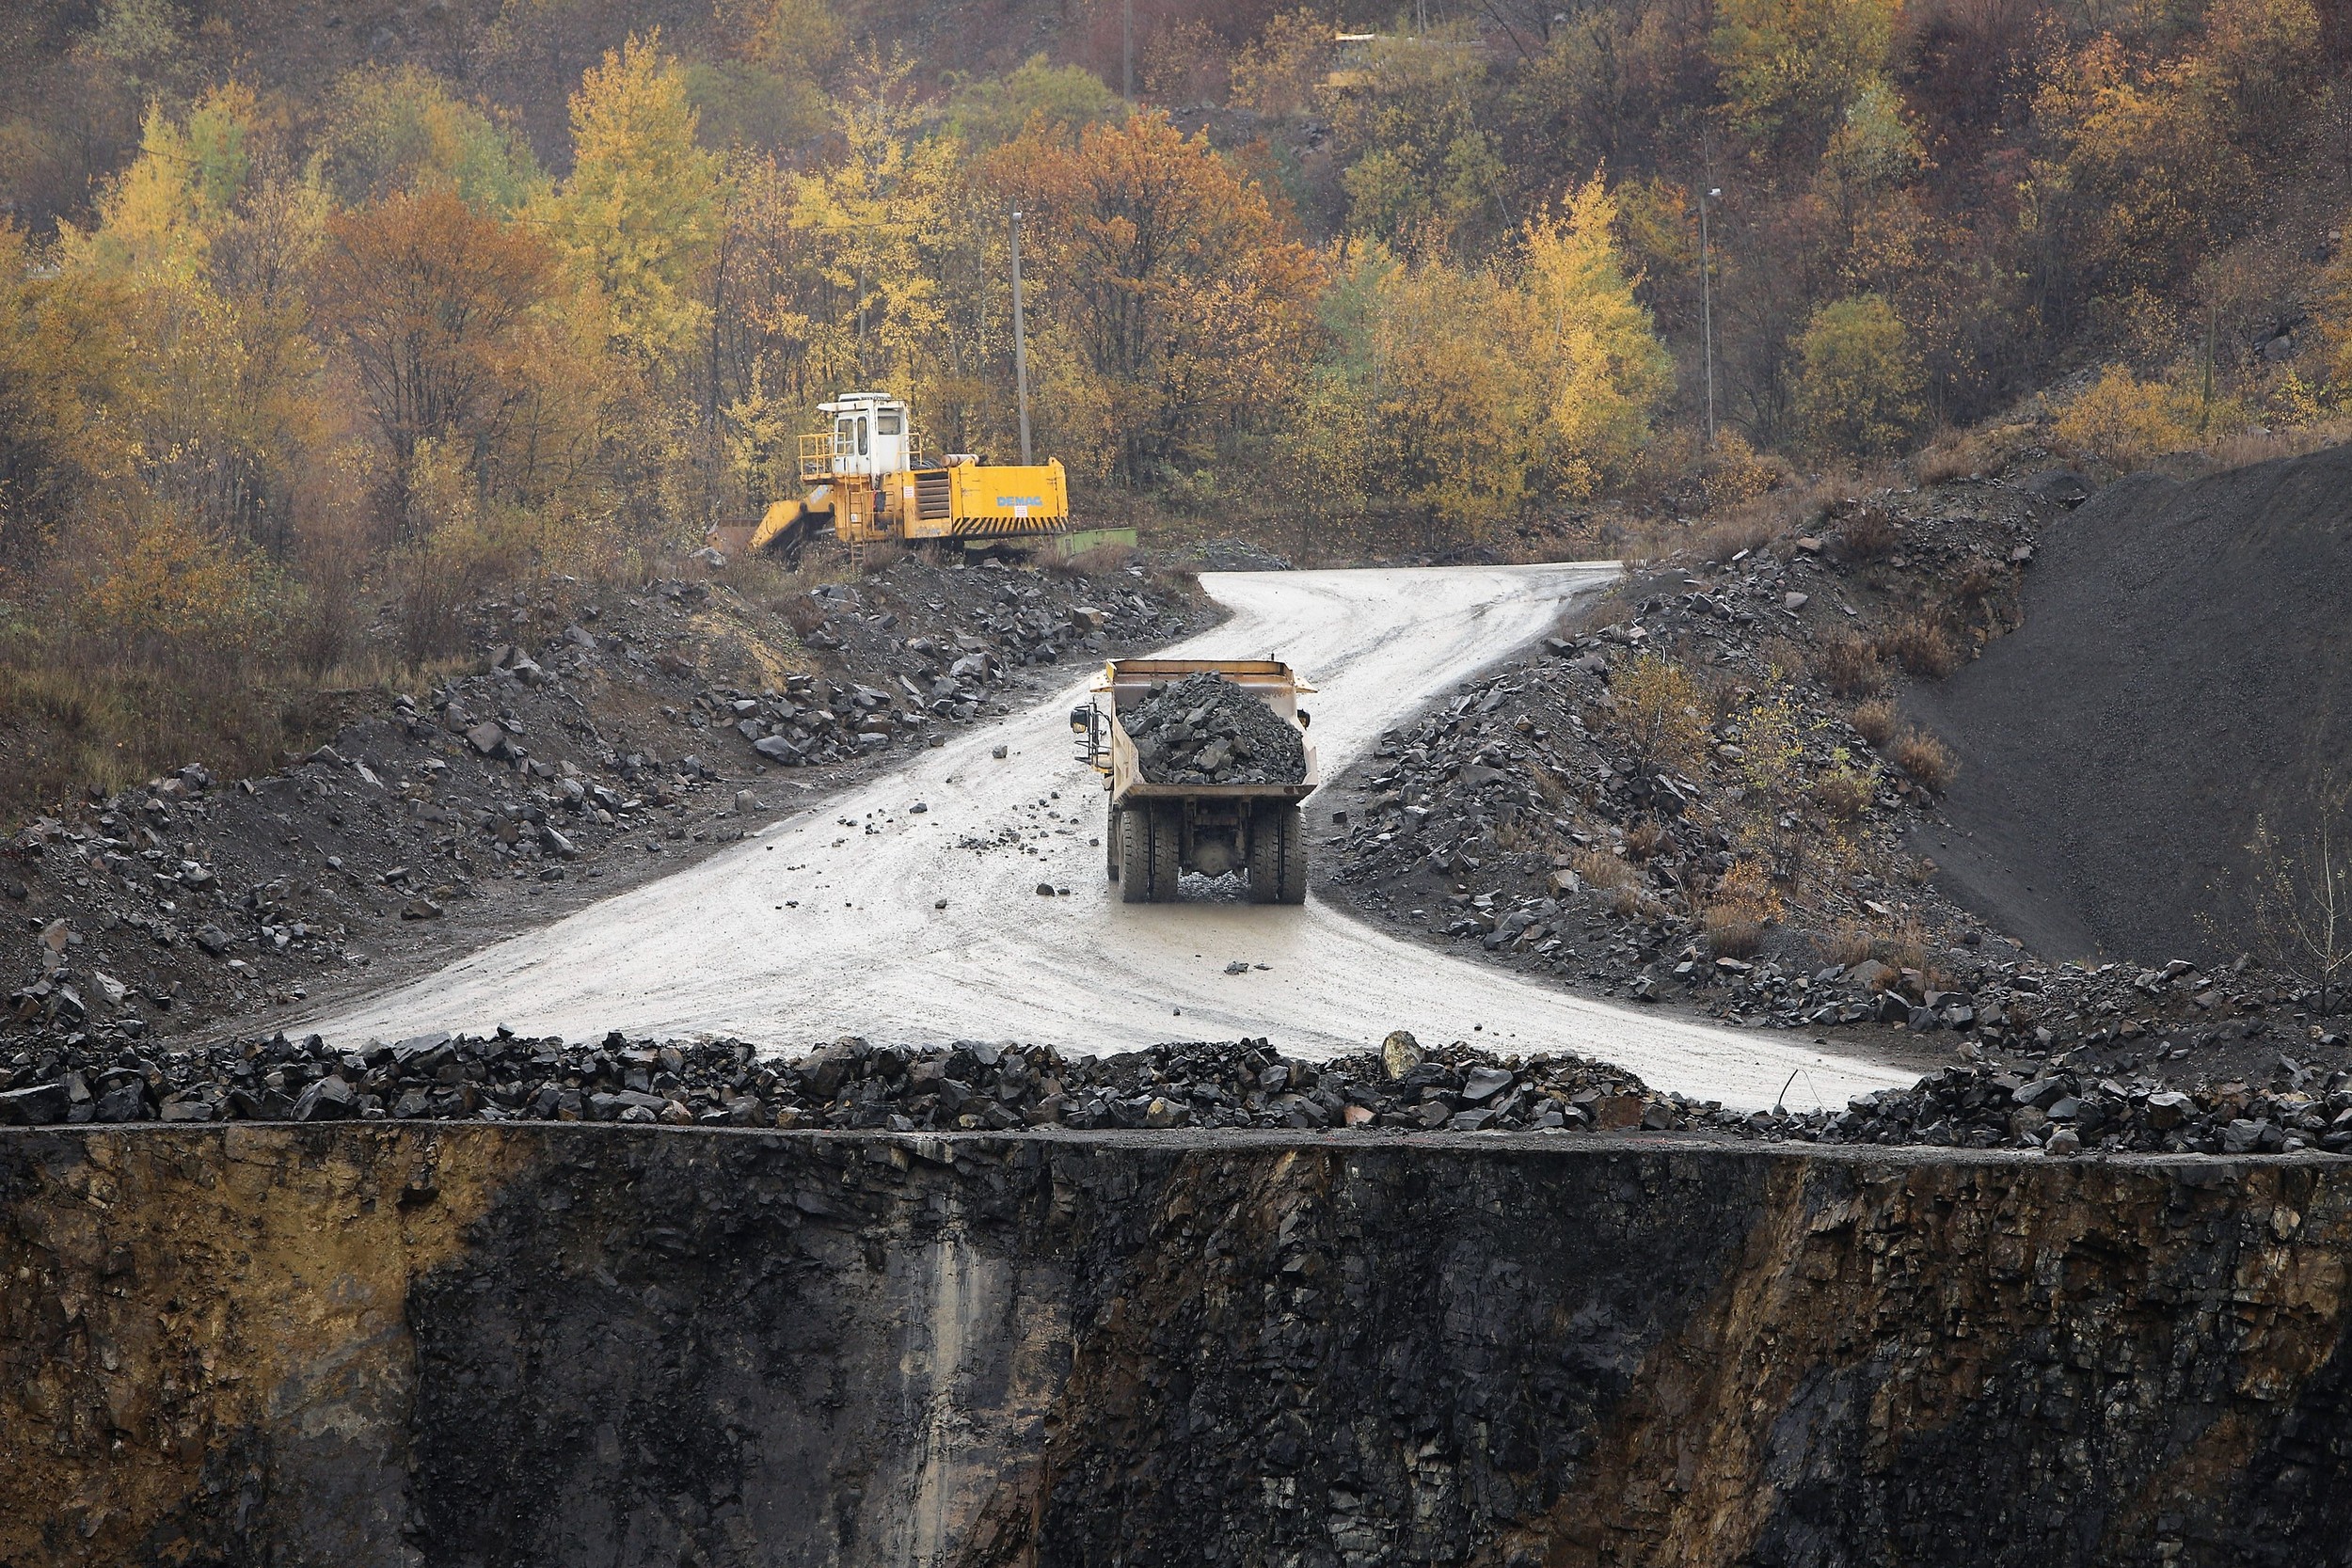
{"type": "Point", "coordinates": [390, 131]}
{"type": "Point", "coordinates": [642, 210]}
{"type": "Point", "coordinates": [984, 111]}
{"type": "Point", "coordinates": [1858, 379]}
{"type": "Point", "coordinates": [1790, 67]}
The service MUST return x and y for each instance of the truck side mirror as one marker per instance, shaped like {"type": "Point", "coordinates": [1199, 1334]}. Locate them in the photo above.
{"type": "Point", "coordinates": [1305, 718]}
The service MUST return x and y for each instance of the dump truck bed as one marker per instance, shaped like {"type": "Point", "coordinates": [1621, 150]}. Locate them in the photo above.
{"type": "Point", "coordinates": [1126, 681]}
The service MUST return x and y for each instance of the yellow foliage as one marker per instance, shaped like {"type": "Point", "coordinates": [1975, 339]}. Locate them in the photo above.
{"type": "Point", "coordinates": [2122, 420]}
{"type": "Point", "coordinates": [165, 581]}
{"type": "Point", "coordinates": [642, 208]}
{"type": "Point", "coordinates": [1278, 73]}
{"type": "Point", "coordinates": [1657, 711]}
{"type": "Point", "coordinates": [1606, 370]}
{"type": "Point", "coordinates": [158, 219]}
{"type": "Point", "coordinates": [1791, 67]}
{"type": "Point", "coordinates": [1858, 379]}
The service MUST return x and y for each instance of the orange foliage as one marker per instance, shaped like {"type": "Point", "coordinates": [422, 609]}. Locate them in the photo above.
{"type": "Point", "coordinates": [1178, 289]}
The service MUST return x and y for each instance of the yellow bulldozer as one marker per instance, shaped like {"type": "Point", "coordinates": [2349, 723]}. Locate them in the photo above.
{"type": "Point", "coordinates": [869, 477]}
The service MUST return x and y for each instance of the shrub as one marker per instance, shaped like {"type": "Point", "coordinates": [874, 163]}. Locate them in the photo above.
{"type": "Point", "coordinates": [1921, 643]}
{"type": "Point", "coordinates": [1927, 759]}
{"type": "Point", "coordinates": [1876, 721]}
{"type": "Point", "coordinates": [2123, 422]}
{"type": "Point", "coordinates": [1843, 792]}
{"type": "Point", "coordinates": [1858, 379]}
{"type": "Point", "coordinates": [1850, 666]}
{"type": "Point", "coordinates": [1645, 838]}
{"type": "Point", "coordinates": [1869, 534]}
{"type": "Point", "coordinates": [1657, 711]}
{"type": "Point", "coordinates": [1734, 919]}
{"type": "Point", "coordinates": [1600, 869]}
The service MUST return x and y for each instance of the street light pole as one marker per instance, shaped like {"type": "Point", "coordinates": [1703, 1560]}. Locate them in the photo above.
{"type": "Point", "coordinates": [1020, 341]}
{"type": "Point", "coordinates": [1707, 311]}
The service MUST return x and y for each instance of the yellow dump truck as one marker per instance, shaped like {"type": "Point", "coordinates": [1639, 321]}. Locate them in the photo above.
{"type": "Point", "coordinates": [870, 479]}
{"type": "Point", "coordinates": [1157, 832]}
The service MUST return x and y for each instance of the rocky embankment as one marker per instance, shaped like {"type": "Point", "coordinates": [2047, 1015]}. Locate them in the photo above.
{"type": "Point", "coordinates": [1704, 793]}
{"type": "Point", "coordinates": [982, 1086]}
{"type": "Point", "coordinates": [603, 735]}
{"type": "Point", "coordinates": [386, 1343]}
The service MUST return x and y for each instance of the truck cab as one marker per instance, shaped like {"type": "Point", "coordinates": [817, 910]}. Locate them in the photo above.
{"type": "Point", "coordinates": [871, 436]}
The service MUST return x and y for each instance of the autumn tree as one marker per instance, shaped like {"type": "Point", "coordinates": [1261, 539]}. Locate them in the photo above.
{"type": "Point", "coordinates": [642, 209]}
{"type": "Point", "coordinates": [431, 299]}
{"type": "Point", "coordinates": [62, 362]}
{"type": "Point", "coordinates": [390, 131]}
{"type": "Point", "coordinates": [1605, 373]}
{"type": "Point", "coordinates": [1180, 296]}
{"type": "Point", "coordinates": [1858, 379]}
{"type": "Point", "coordinates": [1790, 67]}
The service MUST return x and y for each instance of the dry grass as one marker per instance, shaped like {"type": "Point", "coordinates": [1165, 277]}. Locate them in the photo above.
{"type": "Point", "coordinates": [1733, 921]}
{"type": "Point", "coordinates": [1645, 838]}
{"type": "Point", "coordinates": [1849, 665]}
{"type": "Point", "coordinates": [1952, 455]}
{"type": "Point", "coordinates": [1920, 641]}
{"type": "Point", "coordinates": [1733, 929]}
{"type": "Point", "coordinates": [1927, 759]}
{"type": "Point", "coordinates": [1598, 868]}
{"type": "Point", "coordinates": [1746, 527]}
{"type": "Point", "coordinates": [1843, 793]}
{"type": "Point", "coordinates": [1848, 947]}
{"type": "Point", "coordinates": [1869, 534]}
{"type": "Point", "coordinates": [1094, 566]}
{"type": "Point", "coordinates": [1877, 722]}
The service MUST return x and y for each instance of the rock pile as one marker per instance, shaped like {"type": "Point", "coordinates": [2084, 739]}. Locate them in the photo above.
{"type": "Point", "coordinates": [1203, 729]}
{"type": "Point", "coordinates": [2064, 1112]}
{"type": "Point", "coordinates": [851, 1084]}
{"type": "Point", "coordinates": [985, 1086]}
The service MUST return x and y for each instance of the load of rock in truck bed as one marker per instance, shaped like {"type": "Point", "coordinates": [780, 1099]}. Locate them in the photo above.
{"type": "Point", "coordinates": [1203, 729]}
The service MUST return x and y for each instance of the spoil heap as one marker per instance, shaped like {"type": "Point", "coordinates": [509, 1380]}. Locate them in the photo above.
{"type": "Point", "coordinates": [1206, 730]}
{"type": "Point", "coordinates": [2181, 676]}
{"type": "Point", "coordinates": [970, 1087]}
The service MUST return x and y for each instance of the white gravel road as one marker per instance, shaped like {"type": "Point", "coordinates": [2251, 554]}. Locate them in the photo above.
{"type": "Point", "coordinates": [827, 922]}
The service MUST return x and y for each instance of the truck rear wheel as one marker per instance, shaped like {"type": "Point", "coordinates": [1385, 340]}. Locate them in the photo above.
{"type": "Point", "coordinates": [1168, 847]}
{"type": "Point", "coordinates": [1278, 856]}
{"type": "Point", "coordinates": [1110, 837]}
{"type": "Point", "coordinates": [1148, 854]}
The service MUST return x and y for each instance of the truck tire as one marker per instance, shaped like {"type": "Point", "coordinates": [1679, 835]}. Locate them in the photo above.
{"type": "Point", "coordinates": [1110, 837]}
{"type": "Point", "coordinates": [1167, 848]}
{"type": "Point", "coordinates": [1278, 856]}
{"type": "Point", "coordinates": [1150, 839]}
{"type": "Point", "coordinates": [1135, 855]}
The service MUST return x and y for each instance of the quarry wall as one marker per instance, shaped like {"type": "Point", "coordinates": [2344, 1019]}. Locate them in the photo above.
{"type": "Point", "coordinates": [584, 1345]}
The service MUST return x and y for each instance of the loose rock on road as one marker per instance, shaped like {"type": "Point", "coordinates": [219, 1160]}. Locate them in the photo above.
{"type": "Point", "coordinates": [985, 913]}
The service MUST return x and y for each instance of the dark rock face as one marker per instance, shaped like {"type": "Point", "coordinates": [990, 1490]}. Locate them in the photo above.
{"type": "Point", "coordinates": [614, 1345]}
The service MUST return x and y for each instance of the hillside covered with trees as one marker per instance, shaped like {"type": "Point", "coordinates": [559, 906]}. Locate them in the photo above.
{"type": "Point", "coordinates": [314, 322]}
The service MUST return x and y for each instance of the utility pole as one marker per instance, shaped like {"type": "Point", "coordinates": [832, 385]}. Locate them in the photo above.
{"type": "Point", "coordinates": [1020, 341]}
{"type": "Point", "coordinates": [1127, 53]}
{"type": "Point", "coordinates": [1707, 310]}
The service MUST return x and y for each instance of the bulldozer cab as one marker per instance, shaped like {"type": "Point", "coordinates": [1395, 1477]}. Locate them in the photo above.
{"type": "Point", "coordinates": [870, 437]}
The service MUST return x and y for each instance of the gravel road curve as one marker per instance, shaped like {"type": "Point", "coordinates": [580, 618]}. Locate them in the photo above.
{"type": "Point", "coordinates": [816, 928]}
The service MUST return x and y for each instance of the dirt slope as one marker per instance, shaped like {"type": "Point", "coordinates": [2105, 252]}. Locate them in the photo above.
{"type": "Point", "coordinates": [2182, 668]}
